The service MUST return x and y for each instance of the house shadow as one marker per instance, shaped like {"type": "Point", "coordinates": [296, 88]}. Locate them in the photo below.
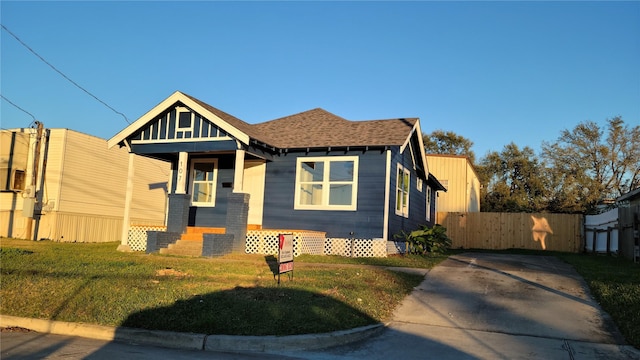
{"type": "Point", "coordinates": [251, 311]}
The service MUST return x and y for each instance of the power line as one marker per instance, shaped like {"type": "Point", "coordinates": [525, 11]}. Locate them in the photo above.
{"type": "Point", "coordinates": [62, 74]}
{"type": "Point", "coordinates": [18, 107]}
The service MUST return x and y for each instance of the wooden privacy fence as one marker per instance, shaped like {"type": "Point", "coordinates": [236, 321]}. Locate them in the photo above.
{"type": "Point", "coordinates": [495, 231]}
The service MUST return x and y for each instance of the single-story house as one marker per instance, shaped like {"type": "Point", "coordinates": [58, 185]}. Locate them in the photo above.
{"type": "Point", "coordinates": [311, 171]}
{"type": "Point", "coordinates": [458, 175]}
{"type": "Point", "coordinates": [63, 185]}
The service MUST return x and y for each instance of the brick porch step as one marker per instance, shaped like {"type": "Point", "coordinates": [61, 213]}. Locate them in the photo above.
{"type": "Point", "coordinates": [184, 248]}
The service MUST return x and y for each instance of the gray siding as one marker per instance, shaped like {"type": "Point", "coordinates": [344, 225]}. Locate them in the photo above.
{"type": "Point", "coordinates": [366, 222]}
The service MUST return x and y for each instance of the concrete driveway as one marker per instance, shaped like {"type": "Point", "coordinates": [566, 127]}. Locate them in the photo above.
{"type": "Point", "coordinates": [489, 306]}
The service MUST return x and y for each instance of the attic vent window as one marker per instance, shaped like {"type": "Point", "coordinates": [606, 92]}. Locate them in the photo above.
{"type": "Point", "coordinates": [184, 130]}
{"type": "Point", "coordinates": [185, 120]}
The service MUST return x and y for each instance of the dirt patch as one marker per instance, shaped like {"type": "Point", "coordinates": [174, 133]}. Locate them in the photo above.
{"type": "Point", "coordinates": [171, 272]}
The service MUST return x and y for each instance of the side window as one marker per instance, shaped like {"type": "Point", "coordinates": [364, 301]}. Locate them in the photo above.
{"type": "Point", "coordinates": [326, 183]}
{"type": "Point", "coordinates": [428, 203]}
{"type": "Point", "coordinates": [203, 182]}
{"type": "Point", "coordinates": [402, 191]}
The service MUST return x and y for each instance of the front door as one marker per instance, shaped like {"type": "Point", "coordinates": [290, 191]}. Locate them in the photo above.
{"type": "Point", "coordinates": [253, 184]}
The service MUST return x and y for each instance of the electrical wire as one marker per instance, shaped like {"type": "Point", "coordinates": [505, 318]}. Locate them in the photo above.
{"type": "Point", "coordinates": [18, 107]}
{"type": "Point", "coordinates": [63, 75]}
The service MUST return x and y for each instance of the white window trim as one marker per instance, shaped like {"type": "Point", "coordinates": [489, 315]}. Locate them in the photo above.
{"type": "Point", "coordinates": [428, 211]}
{"type": "Point", "coordinates": [183, 130]}
{"type": "Point", "coordinates": [215, 182]}
{"type": "Point", "coordinates": [404, 210]}
{"type": "Point", "coordinates": [325, 194]}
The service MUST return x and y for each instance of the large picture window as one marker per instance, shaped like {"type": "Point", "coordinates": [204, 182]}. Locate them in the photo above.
{"type": "Point", "coordinates": [203, 182]}
{"type": "Point", "coordinates": [403, 179]}
{"type": "Point", "coordinates": [326, 183]}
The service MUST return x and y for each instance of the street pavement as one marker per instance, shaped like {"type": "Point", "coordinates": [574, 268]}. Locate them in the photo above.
{"type": "Point", "coordinates": [471, 306]}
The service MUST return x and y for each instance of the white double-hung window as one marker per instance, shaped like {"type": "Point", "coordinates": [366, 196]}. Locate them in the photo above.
{"type": "Point", "coordinates": [326, 183]}
{"type": "Point", "coordinates": [203, 182]}
{"type": "Point", "coordinates": [403, 179]}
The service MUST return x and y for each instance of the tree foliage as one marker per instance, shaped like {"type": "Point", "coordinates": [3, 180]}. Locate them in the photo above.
{"type": "Point", "coordinates": [589, 164]}
{"type": "Point", "coordinates": [448, 142]}
{"type": "Point", "coordinates": [585, 166]}
{"type": "Point", "coordinates": [513, 181]}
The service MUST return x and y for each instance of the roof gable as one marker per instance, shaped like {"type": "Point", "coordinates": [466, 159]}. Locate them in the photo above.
{"type": "Point", "coordinates": [223, 121]}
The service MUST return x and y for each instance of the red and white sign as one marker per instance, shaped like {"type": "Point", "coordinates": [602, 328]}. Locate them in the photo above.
{"type": "Point", "coordinates": [285, 252]}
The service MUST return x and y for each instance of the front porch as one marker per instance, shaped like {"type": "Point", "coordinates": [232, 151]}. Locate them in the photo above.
{"type": "Point", "coordinates": [211, 242]}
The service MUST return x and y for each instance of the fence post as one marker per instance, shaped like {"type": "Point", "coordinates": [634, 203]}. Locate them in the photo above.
{"type": "Point", "coordinates": [608, 240]}
{"type": "Point", "coordinates": [595, 237]}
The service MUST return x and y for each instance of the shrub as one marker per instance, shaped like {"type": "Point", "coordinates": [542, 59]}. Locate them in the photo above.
{"type": "Point", "coordinates": [426, 240]}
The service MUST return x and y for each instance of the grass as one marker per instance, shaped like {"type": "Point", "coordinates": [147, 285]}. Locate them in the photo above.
{"type": "Point", "coordinates": [235, 294]}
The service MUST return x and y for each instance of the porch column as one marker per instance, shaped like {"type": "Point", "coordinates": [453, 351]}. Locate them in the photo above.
{"type": "Point", "coordinates": [238, 176]}
{"type": "Point", "coordinates": [181, 184]}
{"type": "Point", "coordinates": [179, 201]}
{"type": "Point", "coordinates": [126, 221]}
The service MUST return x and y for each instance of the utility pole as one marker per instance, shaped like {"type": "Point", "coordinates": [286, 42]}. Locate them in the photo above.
{"type": "Point", "coordinates": [31, 200]}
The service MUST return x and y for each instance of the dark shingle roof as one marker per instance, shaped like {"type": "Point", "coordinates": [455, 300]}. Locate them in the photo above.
{"type": "Point", "coordinates": [230, 119]}
{"type": "Point", "coordinates": [320, 128]}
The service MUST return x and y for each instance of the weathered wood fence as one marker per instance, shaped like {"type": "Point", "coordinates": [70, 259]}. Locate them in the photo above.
{"type": "Point", "coordinates": [495, 231]}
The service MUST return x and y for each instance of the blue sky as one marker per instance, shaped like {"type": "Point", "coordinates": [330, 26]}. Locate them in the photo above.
{"type": "Point", "coordinates": [494, 72]}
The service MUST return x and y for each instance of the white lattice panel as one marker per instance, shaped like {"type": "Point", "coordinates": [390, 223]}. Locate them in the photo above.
{"type": "Point", "coordinates": [312, 242]}
{"type": "Point", "coordinates": [137, 237]}
{"type": "Point", "coordinates": [266, 242]}
{"type": "Point", "coordinates": [356, 247]}
{"type": "Point", "coordinates": [379, 248]}
{"type": "Point", "coordinates": [336, 246]}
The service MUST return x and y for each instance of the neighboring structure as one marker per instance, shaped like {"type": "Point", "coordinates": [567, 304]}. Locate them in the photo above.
{"type": "Point", "coordinates": [75, 191]}
{"type": "Point", "coordinates": [458, 175]}
{"type": "Point", "coordinates": [629, 224]}
{"type": "Point", "coordinates": [314, 171]}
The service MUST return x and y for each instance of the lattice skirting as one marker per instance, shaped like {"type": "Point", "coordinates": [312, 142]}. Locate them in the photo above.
{"type": "Point", "coordinates": [266, 242]}
{"type": "Point", "coordinates": [137, 239]}
{"type": "Point", "coordinates": [356, 247]}
{"type": "Point", "coordinates": [304, 242]}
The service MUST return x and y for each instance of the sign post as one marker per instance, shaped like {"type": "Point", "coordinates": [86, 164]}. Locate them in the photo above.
{"type": "Point", "coordinates": [285, 255]}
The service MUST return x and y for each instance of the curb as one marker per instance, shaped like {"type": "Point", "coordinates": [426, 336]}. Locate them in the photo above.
{"type": "Point", "coordinates": [191, 341]}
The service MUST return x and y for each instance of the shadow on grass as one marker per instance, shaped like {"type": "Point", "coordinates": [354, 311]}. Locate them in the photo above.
{"type": "Point", "coordinates": [272, 262]}
{"type": "Point", "coordinates": [252, 311]}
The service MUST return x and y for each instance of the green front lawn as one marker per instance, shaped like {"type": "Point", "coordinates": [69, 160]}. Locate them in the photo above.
{"type": "Point", "coordinates": [235, 294]}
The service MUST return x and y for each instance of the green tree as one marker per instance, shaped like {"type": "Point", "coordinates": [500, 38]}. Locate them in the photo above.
{"type": "Point", "coordinates": [513, 181]}
{"type": "Point", "coordinates": [589, 164]}
{"type": "Point", "coordinates": [448, 142]}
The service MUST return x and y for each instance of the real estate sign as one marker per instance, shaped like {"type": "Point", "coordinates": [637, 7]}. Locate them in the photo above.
{"type": "Point", "coordinates": [285, 253]}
